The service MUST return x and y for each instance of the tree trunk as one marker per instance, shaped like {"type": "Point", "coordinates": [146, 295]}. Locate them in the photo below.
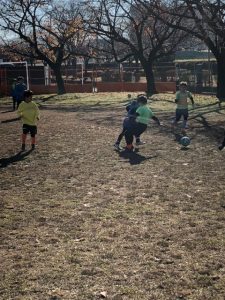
{"type": "Point", "coordinates": [150, 80]}
{"type": "Point", "coordinates": [221, 76]}
{"type": "Point", "coordinates": [59, 80]}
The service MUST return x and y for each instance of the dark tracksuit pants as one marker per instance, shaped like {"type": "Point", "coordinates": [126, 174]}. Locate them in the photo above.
{"type": "Point", "coordinates": [136, 130]}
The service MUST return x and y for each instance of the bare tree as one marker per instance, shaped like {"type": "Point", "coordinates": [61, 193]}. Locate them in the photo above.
{"type": "Point", "coordinates": [131, 32]}
{"type": "Point", "coordinates": [204, 19]}
{"type": "Point", "coordinates": [44, 30]}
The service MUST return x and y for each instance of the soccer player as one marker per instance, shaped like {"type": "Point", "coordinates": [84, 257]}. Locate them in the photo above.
{"type": "Point", "coordinates": [128, 122]}
{"type": "Point", "coordinates": [182, 104]}
{"type": "Point", "coordinates": [18, 92]}
{"type": "Point", "coordinates": [143, 116]}
{"type": "Point", "coordinates": [29, 113]}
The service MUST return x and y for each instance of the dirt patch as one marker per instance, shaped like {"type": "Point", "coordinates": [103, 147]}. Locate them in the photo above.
{"type": "Point", "coordinates": [81, 221]}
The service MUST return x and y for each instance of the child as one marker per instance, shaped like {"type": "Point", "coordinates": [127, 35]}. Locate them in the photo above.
{"type": "Point", "coordinates": [29, 113]}
{"type": "Point", "coordinates": [182, 104]}
{"type": "Point", "coordinates": [143, 116]}
{"type": "Point", "coordinates": [18, 92]}
{"type": "Point", "coordinates": [127, 123]}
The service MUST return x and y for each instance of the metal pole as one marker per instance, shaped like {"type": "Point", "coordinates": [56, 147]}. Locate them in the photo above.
{"type": "Point", "coordinates": [28, 87]}
{"type": "Point", "coordinates": [82, 73]}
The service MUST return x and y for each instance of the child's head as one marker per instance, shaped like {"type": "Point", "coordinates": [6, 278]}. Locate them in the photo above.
{"type": "Point", "coordinates": [27, 95]}
{"type": "Point", "coordinates": [183, 85]}
{"type": "Point", "coordinates": [20, 79]}
{"type": "Point", "coordinates": [142, 100]}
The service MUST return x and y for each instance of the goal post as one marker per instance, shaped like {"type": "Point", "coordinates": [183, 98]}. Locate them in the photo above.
{"type": "Point", "coordinates": [19, 62]}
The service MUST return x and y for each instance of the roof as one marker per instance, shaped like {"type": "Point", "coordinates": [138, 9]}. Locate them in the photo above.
{"type": "Point", "coordinates": [194, 56]}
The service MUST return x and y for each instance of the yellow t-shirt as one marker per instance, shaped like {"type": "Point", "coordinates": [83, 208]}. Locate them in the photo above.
{"type": "Point", "coordinates": [29, 113]}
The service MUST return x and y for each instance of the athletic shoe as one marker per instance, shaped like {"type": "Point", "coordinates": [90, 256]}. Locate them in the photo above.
{"type": "Point", "coordinates": [117, 146]}
{"type": "Point", "coordinates": [33, 146]}
{"type": "Point", "coordinates": [23, 147]}
{"type": "Point", "coordinates": [221, 147]}
{"type": "Point", "coordinates": [140, 143]}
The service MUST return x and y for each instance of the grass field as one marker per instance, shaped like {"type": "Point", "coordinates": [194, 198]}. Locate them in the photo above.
{"type": "Point", "coordinates": [81, 221]}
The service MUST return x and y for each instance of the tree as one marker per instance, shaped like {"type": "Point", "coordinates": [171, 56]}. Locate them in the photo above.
{"type": "Point", "coordinates": [43, 30]}
{"type": "Point", "coordinates": [131, 32]}
{"type": "Point", "coordinates": [204, 19]}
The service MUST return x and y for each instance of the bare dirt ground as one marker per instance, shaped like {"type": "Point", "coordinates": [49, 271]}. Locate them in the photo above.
{"type": "Point", "coordinates": [81, 221]}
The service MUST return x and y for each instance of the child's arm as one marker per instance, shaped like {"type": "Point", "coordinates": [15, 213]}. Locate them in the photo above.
{"type": "Point", "coordinates": [177, 97]}
{"type": "Point", "coordinates": [192, 101]}
{"type": "Point", "coordinates": [191, 98]}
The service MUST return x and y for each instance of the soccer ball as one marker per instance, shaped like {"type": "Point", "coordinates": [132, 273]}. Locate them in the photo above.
{"type": "Point", "coordinates": [185, 141]}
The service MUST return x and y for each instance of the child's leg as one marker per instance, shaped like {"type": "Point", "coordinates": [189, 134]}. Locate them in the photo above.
{"type": "Point", "coordinates": [24, 136]}
{"type": "Point", "coordinates": [185, 116]}
{"type": "Point", "coordinates": [129, 139]}
{"type": "Point", "coordinates": [140, 128]}
{"type": "Point", "coordinates": [33, 136]}
{"type": "Point", "coordinates": [120, 137]}
{"type": "Point", "coordinates": [33, 141]}
{"type": "Point", "coordinates": [178, 115]}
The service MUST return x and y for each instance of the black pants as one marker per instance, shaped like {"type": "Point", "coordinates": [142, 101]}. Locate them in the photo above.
{"type": "Point", "coordinates": [136, 130]}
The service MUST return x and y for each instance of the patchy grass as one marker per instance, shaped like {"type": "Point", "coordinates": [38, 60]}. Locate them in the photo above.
{"type": "Point", "coordinates": [80, 221]}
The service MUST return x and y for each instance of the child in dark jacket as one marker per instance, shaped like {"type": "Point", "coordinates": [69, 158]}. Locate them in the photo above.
{"type": "Point", "coordinates": [142, 117]}
{"type": "Point", "coordinates": [128, 122]}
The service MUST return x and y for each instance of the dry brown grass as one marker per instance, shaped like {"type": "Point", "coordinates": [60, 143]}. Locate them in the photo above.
{"type": "Point", "coordinates": [80, 221]}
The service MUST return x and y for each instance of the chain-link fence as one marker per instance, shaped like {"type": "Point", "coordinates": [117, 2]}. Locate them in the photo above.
{"type": "Point", "coordinates": [200, 76]}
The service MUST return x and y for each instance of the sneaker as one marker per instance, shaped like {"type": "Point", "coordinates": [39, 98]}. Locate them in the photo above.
{"type": "Point", "coordinates": [23, 147]}
{"type": "Point", "coordinates": [140, 143]}
{"type": "Point", "coordinates": [221, 147]}
{"type": "Point", "coordinates": [117, 146]}
{"type": "Point", "coordinates": [32, 146]}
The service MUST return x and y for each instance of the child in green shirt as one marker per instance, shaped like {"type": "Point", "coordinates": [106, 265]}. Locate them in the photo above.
{"type": "Point", "coordinates": [181, 100]}
{"type": "Point", "coordinates": [143, 116]}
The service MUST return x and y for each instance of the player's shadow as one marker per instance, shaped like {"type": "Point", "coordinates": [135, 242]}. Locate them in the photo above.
{"type": "Point", "coordinates": [134, 158]}
{"type": "Point", "coordinates": [5, 162]}
{"type": "Point", "coordinates": [11, 120]}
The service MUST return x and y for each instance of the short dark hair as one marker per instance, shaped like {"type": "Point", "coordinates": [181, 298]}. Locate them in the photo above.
{"type": "Point", "coordinates": [142, 99]}
{"type": "Point", "coordinates": [20, 78]}
{"type": "Point", "coordinates": [27, 93]}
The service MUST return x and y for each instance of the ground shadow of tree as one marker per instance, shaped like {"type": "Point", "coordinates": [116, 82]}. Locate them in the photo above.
{"type": "Point", "coordinates": [11, 120]}
{"type": "Point", "coordinates": [209, 130]}
{"type": "Point", "coordinates": [134, 158]}
{"type": "Point", "coordinates": [5, 162]}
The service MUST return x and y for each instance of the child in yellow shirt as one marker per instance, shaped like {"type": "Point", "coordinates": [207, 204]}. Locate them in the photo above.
{"type": "Point", "coordinates": [29, 113]}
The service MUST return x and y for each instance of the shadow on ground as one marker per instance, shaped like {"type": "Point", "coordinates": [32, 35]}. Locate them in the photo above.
{"type": "Point", "coordinates": [5, 162]}
{"type": "Point", "coordinates": [134, 158]}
